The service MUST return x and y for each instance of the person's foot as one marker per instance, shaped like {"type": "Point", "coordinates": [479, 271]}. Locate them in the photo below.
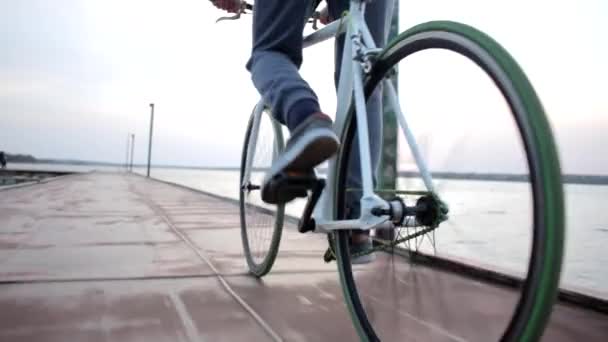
{"type": "Point", "coordinates": [312, 142]}
{"type": "Point", "coordinates": [360, 249]}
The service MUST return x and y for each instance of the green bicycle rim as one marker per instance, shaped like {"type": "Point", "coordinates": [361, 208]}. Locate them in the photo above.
{"type": "Point", "coordinates": [541, 285]}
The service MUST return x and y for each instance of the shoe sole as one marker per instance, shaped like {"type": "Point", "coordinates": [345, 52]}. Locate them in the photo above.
{"type": "Point", "coordinates": [300, 160]}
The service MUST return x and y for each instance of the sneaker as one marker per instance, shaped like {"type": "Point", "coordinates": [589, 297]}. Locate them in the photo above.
{"type": "Point", "coordinates": [312, 142]}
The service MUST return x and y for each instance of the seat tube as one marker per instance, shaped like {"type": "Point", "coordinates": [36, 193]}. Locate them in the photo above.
{"type": "Point", "coordinates": [357, 19]}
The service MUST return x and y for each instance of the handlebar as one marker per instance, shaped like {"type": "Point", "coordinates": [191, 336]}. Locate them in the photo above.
{"type": "Point", "coordinates": [245, 6]}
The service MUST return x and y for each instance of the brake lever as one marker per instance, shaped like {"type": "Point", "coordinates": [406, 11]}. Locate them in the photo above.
{"type": "Point", "coordinates": [316, 16]}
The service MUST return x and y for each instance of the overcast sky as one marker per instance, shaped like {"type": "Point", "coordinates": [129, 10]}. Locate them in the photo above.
{"type": "Point", "coordinates": [77, 75]}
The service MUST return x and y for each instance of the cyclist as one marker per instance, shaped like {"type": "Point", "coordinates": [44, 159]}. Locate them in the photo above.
{"type": "Point", "coordinates": [274, 63]}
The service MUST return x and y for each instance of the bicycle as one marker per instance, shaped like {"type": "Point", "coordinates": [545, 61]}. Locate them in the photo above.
{"type": "Point", "coordinates": [364, 67]}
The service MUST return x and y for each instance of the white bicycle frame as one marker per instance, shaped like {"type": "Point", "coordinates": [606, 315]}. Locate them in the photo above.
{"type": "Point", "coordinates": [357, 48]}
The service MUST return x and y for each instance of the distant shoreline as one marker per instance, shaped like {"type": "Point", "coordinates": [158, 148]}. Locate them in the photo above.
{"type": "Point", "coordinates": [501, 177]}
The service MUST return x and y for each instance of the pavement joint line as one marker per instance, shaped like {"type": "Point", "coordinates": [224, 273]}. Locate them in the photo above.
{"type": "Point", "coordinates": [288, 218]}
{"type": "Point", "coordinates": [103, 279]}
{"type": "Point", "coordinates": [191, 331]}
{"type": "Point", "coordinates": [6, 282]}
{"type": "Point", "coordinates": [159, 211]}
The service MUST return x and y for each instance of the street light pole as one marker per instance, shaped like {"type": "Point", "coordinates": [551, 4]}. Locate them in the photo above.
{"type": "Point", "coordinates": [132, 147]}
{"type": "Point", "coordinates": [127, 158]}
{"type": "Point", "coordinates": [150, 139]}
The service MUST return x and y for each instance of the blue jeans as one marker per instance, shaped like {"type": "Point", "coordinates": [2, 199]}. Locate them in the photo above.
{"type": "Point", "coordinates": [276, 59]}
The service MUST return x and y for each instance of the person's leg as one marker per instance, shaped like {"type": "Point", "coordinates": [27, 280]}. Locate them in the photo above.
{"type": "Point", "coordinates": [377, 13]}
{"type": "Point", "coordinates": [276, 57]}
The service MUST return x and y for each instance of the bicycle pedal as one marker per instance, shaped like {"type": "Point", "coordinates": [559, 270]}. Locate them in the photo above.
{"type": "Point", "coordinates": [288, 185]}
{"type": "Point", "coordinates": [295, 179]}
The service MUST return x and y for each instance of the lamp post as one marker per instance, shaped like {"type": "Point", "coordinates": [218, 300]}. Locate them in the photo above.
{"type": "Point", "coordinates": [150, 139]}
{"type": "Point", "coordinates": [132, 148]}
{"type": "Point", "coordinates": [127, 157]}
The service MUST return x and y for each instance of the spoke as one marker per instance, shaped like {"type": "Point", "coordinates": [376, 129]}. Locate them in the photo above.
{"type": "Point", "coordinates": [406, 238]}
{"type": "Point", "coordinates": [260, 221]}
{"type": "Point", "coordinates": [385, 245]}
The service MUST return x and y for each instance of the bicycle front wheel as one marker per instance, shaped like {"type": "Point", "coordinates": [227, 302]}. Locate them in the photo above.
{"type": "Point", "coordinates": [502, 182]}
{"type": "Point", "coordinates": [261, 223]}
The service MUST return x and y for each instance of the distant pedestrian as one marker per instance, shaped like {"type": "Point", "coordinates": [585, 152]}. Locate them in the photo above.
{"type": "Point", "coordinates": [2, 160]}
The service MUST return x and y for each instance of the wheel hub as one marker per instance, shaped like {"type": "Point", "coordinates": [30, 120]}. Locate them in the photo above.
{"type": "Point", "coordinates": [430, 210]}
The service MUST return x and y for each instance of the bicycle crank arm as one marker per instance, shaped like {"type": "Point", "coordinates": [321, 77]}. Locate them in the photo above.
{"type": "Point", "coordinates": [307, 223]}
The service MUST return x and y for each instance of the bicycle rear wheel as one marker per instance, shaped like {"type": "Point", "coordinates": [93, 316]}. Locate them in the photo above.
{"type": "Point", "coordinates": [537, 177]}
{"type": "Point", "coordinates": [261, 223]}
